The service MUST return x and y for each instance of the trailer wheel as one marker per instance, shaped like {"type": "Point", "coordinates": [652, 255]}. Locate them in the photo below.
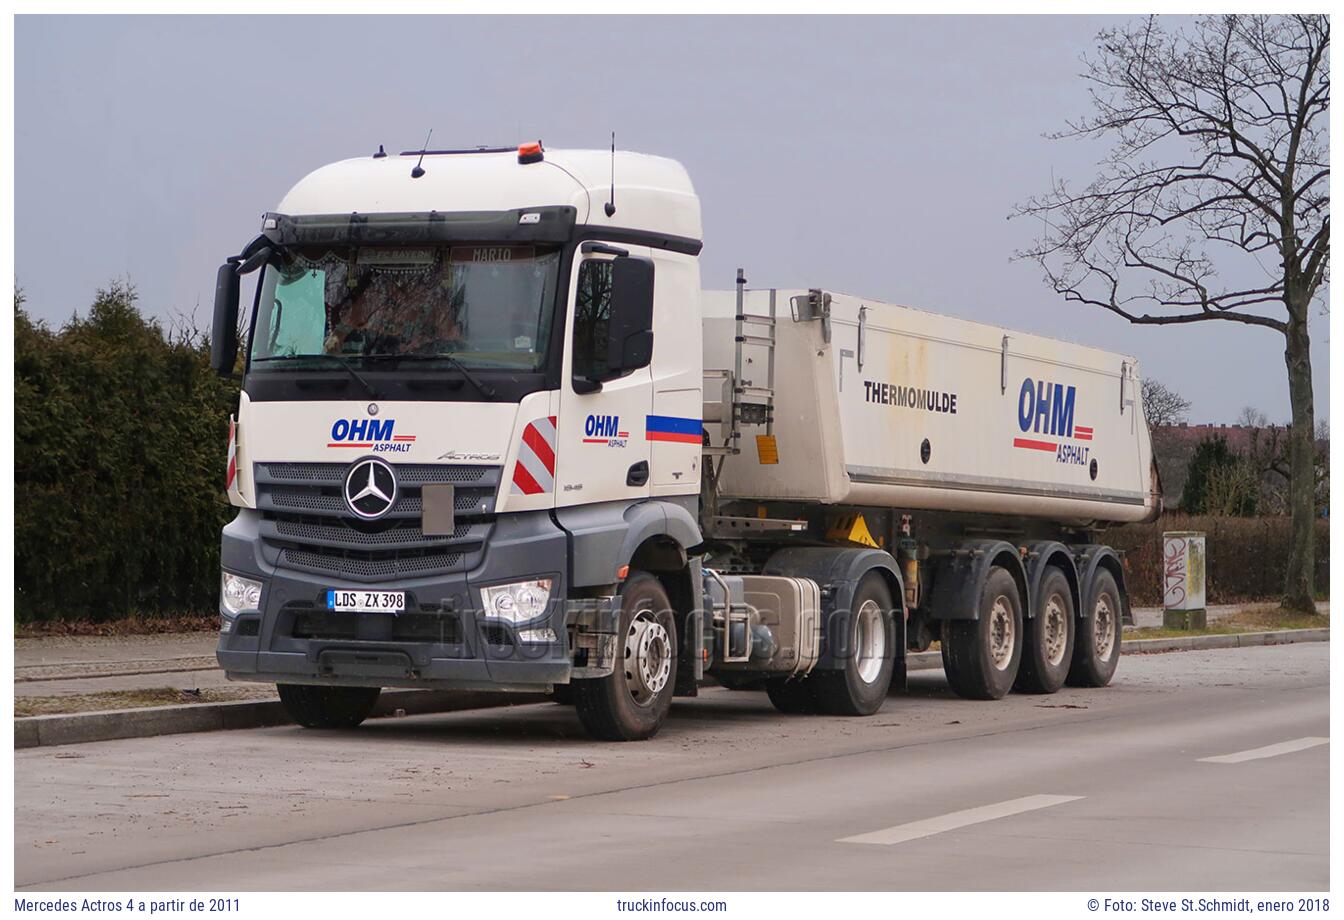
{"type": "Point", "coordinates": [794, 697]}
{"type": "Point", "coordinates": [860, 686]}
{"type": "Point", "coordinates": [1096, 650]}
{"type": "Point", "coordinates": [327, 707]}
{"type": "Point", "coordinates": [1047, 645]}
{"type": "Point", "coordinates": [631, 702]}
{"type": "Point", "coordinates": [981, 656]}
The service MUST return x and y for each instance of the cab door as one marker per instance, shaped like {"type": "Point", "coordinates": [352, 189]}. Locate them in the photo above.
{"type": "Point", "coordinates": [603, 453]}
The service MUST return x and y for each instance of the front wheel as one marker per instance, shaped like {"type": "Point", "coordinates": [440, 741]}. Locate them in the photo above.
{"type": "Point", "coordinates": [327, 707]}
{"type": "Point", "coordinates": [631, 702]}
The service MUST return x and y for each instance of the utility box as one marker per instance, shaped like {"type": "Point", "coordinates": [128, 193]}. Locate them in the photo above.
{"type": "Point", "coordinates": [1183, 572]}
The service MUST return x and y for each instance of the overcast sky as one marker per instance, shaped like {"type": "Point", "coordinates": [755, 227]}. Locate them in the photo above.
{"type": "Point", "coordinates": [878, 157]}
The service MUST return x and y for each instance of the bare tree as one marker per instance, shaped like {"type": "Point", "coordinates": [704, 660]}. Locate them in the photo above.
{"type": "Point", "coordinates": [1218, 168]}
{"type": "Point", "coordinates": [1163, 406]}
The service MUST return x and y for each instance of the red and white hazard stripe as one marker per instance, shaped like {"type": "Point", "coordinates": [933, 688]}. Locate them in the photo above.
{"type": "Point", "coordinates": [231, 472]}
{"type": "Point", "coordinates": [534, 470]}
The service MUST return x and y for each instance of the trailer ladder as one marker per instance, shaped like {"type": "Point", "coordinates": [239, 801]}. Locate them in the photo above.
{"type": "Point", "coordinates": [743, 401]}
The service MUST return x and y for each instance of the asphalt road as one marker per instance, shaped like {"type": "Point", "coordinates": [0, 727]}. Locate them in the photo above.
{"type": "Point", "coordinates": [1095, 790]}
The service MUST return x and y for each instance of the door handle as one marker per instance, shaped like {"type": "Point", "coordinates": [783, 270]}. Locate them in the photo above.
{"type": "Point", "coordinates": [638, 474]}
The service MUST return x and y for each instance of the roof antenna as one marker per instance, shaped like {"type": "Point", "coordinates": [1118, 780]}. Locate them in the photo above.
{"type": "Point", "coordinates": [610, 206]}
{"type": "Point", "coordinates": [417, 172]}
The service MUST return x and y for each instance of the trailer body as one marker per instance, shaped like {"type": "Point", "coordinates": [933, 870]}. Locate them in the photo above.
{"type": "Point", "coordinates": [888, 406]}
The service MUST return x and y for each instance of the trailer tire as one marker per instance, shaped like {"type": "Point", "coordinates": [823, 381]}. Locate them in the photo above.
{"type": "Point", "coordinates": [1047, 637]}
{"type": "Point", "coordinates": [1096, 650]}
{"type": "Point", "coordinates": [792, 696]}
{"type": "Point", "coordinates": [981, 656]}
{"type": "Point", "coordinates": [327, 707]}
{"type": "Point", "coordinates": [631, 702]}
{"type": "Point", "coordinates": [859, 687]}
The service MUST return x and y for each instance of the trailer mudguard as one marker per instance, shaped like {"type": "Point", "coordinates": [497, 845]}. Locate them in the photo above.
{"type": "Point", "coordinates": [1042, 555]}
{"type": "Point", "coordinates": [1089, 558]}
{"type": "Point", "coordinates": [961, 574]}
{"type": "Point", "coordinates": [838, 570]}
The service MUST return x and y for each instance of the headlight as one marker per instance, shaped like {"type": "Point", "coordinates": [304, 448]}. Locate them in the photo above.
{"type": "Point", "coordinates": [240, 595]}
{"type": "Point", "coordinates": [517, 602]}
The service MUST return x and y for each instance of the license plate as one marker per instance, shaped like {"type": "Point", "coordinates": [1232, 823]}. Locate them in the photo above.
{"type": "Point", "coordinates": [367, 601]}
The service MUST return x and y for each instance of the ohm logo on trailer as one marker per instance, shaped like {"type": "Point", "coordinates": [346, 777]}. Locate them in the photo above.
{"type": "Point", "coordinates": [370, 433]}
{"type": "Point", "coordinates": [1046, 408]}
{"type": "Point", "coordinates": [604, 429]}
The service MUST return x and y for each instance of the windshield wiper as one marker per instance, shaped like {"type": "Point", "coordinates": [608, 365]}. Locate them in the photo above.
{"type": "Point", "coordinates": [484, 388]}
{"type": "Point", "coordinates": [344, 365]}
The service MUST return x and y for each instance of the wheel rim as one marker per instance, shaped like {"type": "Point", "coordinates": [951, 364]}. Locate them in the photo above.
{"type": "Point", "coordinates": [648, 657]}
{"type": "Point", "coordinates": [1103, 628]}
{"type": "Point", "coordinates": [871, 642]}
{"type": "Point", "coordinates": [1002, 632]}
{"type": "Point", "coordinates": [1055, 629]}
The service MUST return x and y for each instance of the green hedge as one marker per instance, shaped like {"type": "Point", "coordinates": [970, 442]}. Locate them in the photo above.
{"type": "Point", "coordinates": [120, 434]}
{"type": "Point", "coordinates": [1246, 556]}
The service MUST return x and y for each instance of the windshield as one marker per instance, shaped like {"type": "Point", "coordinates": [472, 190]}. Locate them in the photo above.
{"type": "Point", "coordinates": [482, 305]}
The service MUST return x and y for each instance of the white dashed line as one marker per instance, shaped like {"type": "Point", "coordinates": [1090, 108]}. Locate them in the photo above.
{"type": "Point", "coordinates": [953, 820]}
{"type": "Point", "coordinates": [1272, 750]}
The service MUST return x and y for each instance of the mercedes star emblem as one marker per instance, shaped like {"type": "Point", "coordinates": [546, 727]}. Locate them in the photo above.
{"type": "Point", "coordinates": [370, 488]}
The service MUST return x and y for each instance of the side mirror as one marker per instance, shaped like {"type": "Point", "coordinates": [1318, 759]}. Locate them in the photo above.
{"type": "Point", "coordinates": [630, 329]}
{"type": "Point", "coordinates": [224, 333]}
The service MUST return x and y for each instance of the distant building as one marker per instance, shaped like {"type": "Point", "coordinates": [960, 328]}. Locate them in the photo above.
{"type": "Point", "coordinates": [1174, 445]}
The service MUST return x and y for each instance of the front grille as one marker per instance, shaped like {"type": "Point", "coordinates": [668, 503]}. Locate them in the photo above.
{"type": "Point", "coordinates": [306, 525]}
{"type": "Point", "coordinates": [368, 566]}
{"type": "Point", "coordinates": [319, 530]}
{"type": "Point", "coordinates": [414, 474]}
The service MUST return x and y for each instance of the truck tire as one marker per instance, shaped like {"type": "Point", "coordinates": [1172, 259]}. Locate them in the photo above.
{"type": "Point", "coordinates": [1047, 638]}
{"type": "Point", "coordinates": [859, 687]}
{"type": "Point", "coordinates": [981, 656]}
{"type": "Point", "coordinates": [631, 702]}
{"type": "Point", "coordinates": [1096, 650]}
{"type": "Point", "coordinates": [793, 696]}
{"type": "Point", "coordinates": [327, 707]}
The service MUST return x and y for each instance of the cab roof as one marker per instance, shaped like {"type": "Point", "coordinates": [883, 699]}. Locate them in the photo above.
{"type": "Point", "coordinates": [652, 193]}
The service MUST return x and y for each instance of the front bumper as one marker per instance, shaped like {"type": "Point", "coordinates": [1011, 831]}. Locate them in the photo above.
{"type": "Point", "coordinates": [440, 641]}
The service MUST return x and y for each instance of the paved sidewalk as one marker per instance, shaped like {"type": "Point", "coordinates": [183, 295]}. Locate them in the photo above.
{"type": "Point", "coordinates": [70, 665]}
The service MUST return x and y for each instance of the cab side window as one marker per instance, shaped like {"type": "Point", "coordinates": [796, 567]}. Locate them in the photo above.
{"type": "Point", "coordinates": [592, 313]}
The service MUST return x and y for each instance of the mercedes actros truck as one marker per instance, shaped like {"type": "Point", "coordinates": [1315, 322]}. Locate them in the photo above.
{"type": "Point", "coordinates": [493, 435]}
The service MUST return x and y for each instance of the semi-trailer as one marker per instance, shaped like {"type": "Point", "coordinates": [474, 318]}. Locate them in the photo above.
{"type": "Point", "coordinates": [493, 435]}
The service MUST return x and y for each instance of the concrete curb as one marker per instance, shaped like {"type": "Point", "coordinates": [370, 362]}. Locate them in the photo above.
{"type": "Point", "coordinates": [1228, 640]}
{"type": "Point", "coordinates": [110, 725]}
{"type": "Point", "coordinates": [925, 661]}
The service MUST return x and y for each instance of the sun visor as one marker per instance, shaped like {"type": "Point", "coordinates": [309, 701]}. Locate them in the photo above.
{"type": "Point", "coordinates": [550, 224]}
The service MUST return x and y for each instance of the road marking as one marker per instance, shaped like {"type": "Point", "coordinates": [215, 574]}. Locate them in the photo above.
{"type": "Point", "coordinates": [953, 820]}
{"type": "Point", "coordinates": [1271, 750]}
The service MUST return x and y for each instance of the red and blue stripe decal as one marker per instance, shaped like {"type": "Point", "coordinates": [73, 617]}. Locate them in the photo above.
{"type": "Point", "coordinates": [671, 428]}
